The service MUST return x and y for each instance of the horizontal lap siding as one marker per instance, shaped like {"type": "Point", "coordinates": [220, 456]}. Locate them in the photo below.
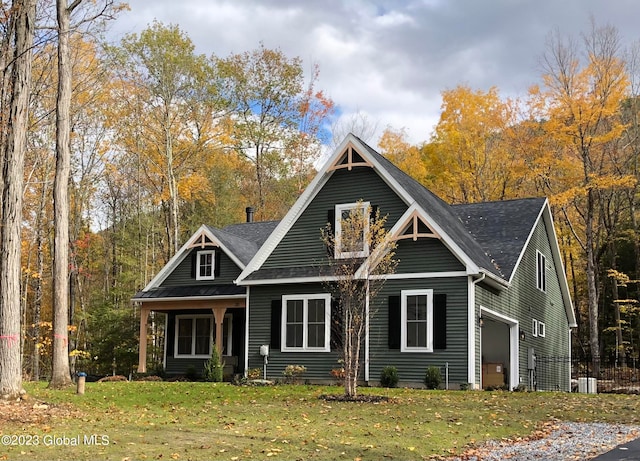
{"type": "Point", "coordinates": [183, 274]}
{"type": "Point", "coordinates": [412, 366]}
{"type": "Point", "coordinates": [319, 364]}
{"type": "Point", "coordinates": [303, 245]}
{"type": "Point", "coordinates": [524, 302]}
{"type": "Point", "coordinates": [183, 365]}
{"type": "Point", "coordinates": [425, 255]}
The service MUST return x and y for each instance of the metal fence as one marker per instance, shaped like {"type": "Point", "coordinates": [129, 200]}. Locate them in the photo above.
{"type": "Point", "coordinates": [606, 375]}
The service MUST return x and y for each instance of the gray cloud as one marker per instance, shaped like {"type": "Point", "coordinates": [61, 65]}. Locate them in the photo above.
{"type": "Point", "coordinates": [391, 59]}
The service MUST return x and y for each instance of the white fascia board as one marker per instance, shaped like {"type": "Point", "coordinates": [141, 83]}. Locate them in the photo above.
{"type": "Point", "coordinates": [472, 268]}
{"type": "Point", "coordinates": [559, 265]}
{"type": "Point", "coordinates": [189, 298]}
{"type": "Point", "coordinates": [493, 280]}
{"type": "Point", "coordinates": [526, 243]}
{"type": "Point", "coordinates": [291, 280]}
{"type": "Point", "coordinates": [295, 211]}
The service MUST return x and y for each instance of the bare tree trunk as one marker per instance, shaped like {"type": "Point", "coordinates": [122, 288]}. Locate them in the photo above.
{"type": "Point", "coordinates": [12, 174]}
{"type": "Point", "coordinates": [174, 213]}
{"type": "Point", "coordinates": [60, 373]}
{"type": "Point", "coordinates": [592, 289]}
{"type": "Point", "coordinates": [37, 301]}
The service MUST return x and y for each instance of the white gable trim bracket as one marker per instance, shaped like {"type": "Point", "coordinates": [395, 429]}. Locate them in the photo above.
{"type": "Point", "coordinates": [201, 241]}
{"type": "Point", "coordinates": [414, 221]}
{"type": "Point", "coordinates": [346, 160]}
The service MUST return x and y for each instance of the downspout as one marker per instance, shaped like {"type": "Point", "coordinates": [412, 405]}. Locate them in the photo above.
{"type": "Point", "coordinates": [246, 334]}
{"type": "Point", "coordinates": [366, 336]}
{"type": "Point", "coordinates": [472, 330]}
{"type": "Point", "coordinates": [570, 337]}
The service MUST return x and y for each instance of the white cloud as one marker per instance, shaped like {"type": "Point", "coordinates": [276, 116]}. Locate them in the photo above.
{"type": "Point", "coordinates": [391, 58]}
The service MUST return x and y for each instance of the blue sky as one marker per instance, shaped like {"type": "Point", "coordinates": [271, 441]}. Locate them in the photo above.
{"type": "Point", "coordinates": [389, 60]}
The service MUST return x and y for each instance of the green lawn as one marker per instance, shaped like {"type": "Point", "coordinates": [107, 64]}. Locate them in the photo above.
{"type": "Point", "coordinates": [158, 420]}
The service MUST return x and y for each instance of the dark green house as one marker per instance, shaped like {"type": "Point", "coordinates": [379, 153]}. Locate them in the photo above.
{"type": "Point", "coordinates": [479, 290]}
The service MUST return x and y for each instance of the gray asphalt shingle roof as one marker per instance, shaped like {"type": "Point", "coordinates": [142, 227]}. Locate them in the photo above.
{"type": "Point", "coordinates": [501, 228]}
{"type": "Point", "coordinates": [190, 291]}
{"type": "Point", "coordinates": [244, 239]}
{"type": "Point", "coordinates": [442, 213]}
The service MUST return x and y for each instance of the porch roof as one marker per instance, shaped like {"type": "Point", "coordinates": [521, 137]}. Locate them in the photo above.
{"type": "Point", "coordinates": [190, 291]}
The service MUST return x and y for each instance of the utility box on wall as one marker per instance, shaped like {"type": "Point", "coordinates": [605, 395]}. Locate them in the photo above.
{"type": "Point", "coordinates": [492, 375]}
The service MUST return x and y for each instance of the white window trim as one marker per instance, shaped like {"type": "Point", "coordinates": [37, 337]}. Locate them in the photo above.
{"type": "Point", "coordinates": [542, 329]}
{"type": "Point", "coordinates": [534, 327]}
{"type": "Point", "coordinates": [327, 323]}
{"type": "Point", "coordinates": [193, 336]}
{"type": "Point", "coordinates": [541, 259]}
{"type": "Point", "coordinates": [213, 265]}
{"type": "Point", "coordinates": [403, 320]}
{"type": "Point", "coordinates": [338, 226]}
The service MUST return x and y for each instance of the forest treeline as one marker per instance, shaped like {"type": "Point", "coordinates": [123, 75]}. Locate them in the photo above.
{"type": "Point", "coordinates": [163, 139]}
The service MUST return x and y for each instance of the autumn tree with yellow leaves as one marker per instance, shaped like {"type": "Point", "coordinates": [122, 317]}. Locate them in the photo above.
{"type": "Point", "coordinates": [583, 96]}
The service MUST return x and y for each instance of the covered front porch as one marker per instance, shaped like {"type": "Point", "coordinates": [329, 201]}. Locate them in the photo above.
{"type": "Point", "coordinates": [193, 327]}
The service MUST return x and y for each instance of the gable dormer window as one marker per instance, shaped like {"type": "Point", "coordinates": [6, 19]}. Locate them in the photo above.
{"type": "Point", "coordinates": [205, 265]}
{"type": "Point", "coordinates": [352, 229]}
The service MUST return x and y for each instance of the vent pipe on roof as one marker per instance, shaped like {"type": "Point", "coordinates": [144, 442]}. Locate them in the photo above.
{"type": "Point", "coordinates": [249, 211]}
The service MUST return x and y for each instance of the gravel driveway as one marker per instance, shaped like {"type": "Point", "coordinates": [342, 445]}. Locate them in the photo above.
{"type": "Point", "coordinates": [566, 441]}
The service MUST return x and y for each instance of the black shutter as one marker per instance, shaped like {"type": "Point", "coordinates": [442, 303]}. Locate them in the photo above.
{"type": "Point", "coordinates": [237, 336]}
{"type": "Point", "coordinates": [373, 210]}
{"type": "Point", "coordinates": [331, 221]}
{"type": "Point", "coordinates": [194, 263]}
{"type": "Point", "coordinates": [276, 323]}
{"type": "Point", "coordinates": [394, 322]}
{"type": "Point", "coordinates": [216, 264]}
{"type": "Point", "coordinates": [440, 321]}
{"type": "Point", "coordinates": [336, 341]}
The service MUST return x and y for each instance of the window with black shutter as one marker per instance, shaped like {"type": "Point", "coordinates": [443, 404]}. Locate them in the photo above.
{"type": "Point", "coordinates": [394, 322]}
